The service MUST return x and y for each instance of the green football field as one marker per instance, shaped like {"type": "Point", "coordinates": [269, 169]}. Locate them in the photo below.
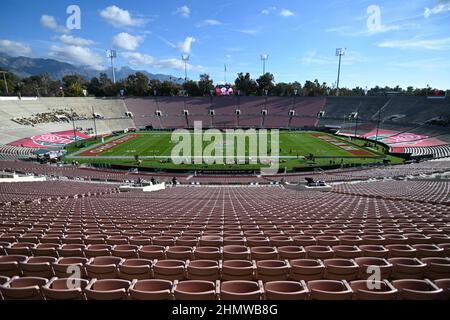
{"type": "Point", "coordinates": [154, 150]}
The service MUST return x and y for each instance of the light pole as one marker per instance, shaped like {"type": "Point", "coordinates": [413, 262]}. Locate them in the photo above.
{"type": "Point", "coordinates": [112, 54]}
{"type": "Point", "coordinates": [185, 59]}
{"type": "Point", "coordinates": [6, 83]}
{"type": "Point", "coordinates": [73, 125]}
{"type": "Point", "coordinates": [339, 53]}
{"type": "Point", "coordinates": [264, 58]}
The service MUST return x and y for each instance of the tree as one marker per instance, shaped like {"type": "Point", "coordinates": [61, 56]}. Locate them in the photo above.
{"type": "Point", "coordinates": [75, 90]}
{"type": "Point", "coordinates": [192, 88]}
{"type": "Point", "coordinates": [205, 84]}
{"type": "Point", "coordinates": [265, 82]}
{"type": "Point", "coordinates": [245, 84]}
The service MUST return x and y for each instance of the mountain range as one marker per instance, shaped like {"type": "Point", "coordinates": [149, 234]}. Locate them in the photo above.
{"type": "Point", "coordinates": [26, 67]}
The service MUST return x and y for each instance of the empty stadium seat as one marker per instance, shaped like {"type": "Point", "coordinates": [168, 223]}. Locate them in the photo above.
{"type": "Point", "coordinates": [9, 265]}
{"type": "Point", "coordinates": [107, 289]}
{"type": "Point", "coordinates": [407, 268]}
{"type": "Point", "coordinates": [307, 269]}
{"type": "Point", "coordinates": [238, 270]}
{"type": "Point", "coordinates": [152, 289]}
{"type": "Point", "coordinates": [373, 290]}
{"type": "Point", "coordinates": [208, 270]}
{"type": "Point", "coordinates": [286, 290]}
{"type": "Point", "coordinates": [241, 290]}
{"type": "Point", "coordinates": [341, 269]}
{"type": "Point", "coordinates": [40, 267]}
{"type": "Point", "coordinates": [367, 264]}
{"type": "Point", "coordinates": [24, 288]}
{"type": "Point", "coordinates": [437, 267]}
{"type": "Point", "coordinates": [139, 269]}
{"type": "Point", "coordinates": [65, 267]}
{"type": "Point", "coordinates": [330, 290]}
{"type": "Point", "coordinates": [272, 270]}
{"type": "Point", "coordinates": [65, 289]}
{"type": "Point", "coordinates": [103, 267]}
{"type": "Point", "coordinates": [444, 284]}
{"type": "Point", "coordinates": [417, 289]}
{"type": "Point", "coordinates": [169, 269]}
{"type": "Point", "coordinates": [196, 290]}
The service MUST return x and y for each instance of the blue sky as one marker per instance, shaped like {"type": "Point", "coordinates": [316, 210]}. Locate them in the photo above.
{"type": "Point", "coordinates": [408, 45]}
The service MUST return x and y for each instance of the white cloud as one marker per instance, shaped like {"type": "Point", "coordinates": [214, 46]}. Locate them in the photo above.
{"type": "Point", "coordinates": [251, 32]}
{"type": "Point", "coordinates": [127, 41]}
{"type": "Point", "coordinates": [186, 45]}
{"type": "Point", "coordinates": [286, 13]}
{"type": "Point", "coordinates": [77, 55]}
{"type": "Point", "coordinates": [14, 48]}
{"type": "Point", "coordinates": [120, 18]}
{"type": "Point", "coordinates": [75, 41]}
{"type": "Point", "coordinates": [439, 7]}
{"type": "Point", "coordinates": [139, 59]}
{"type": "Point", "coordinates": [349, 32]}
{"type": "Point", "coordinates": [183, 11]}
{"type": "Point", "coordinates": [268, 10]}
{"type": "Point", "coordinates": [428, 44]}
{"type": "Point", "coordinates": [209, 22]}
{"type": "Point", "coordinates": [50, 23]}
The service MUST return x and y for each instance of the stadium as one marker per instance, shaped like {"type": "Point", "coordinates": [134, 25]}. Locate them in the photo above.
{"type": "Point", "coordinates": [95, 204]}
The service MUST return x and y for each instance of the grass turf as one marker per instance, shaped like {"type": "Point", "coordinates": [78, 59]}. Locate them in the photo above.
{"type": "Point", "coordinates": [293, 146]}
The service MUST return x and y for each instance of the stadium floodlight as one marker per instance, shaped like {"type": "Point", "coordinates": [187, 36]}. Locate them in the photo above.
{"type": "Point", "coordinates": [112, 54]}
{"type": "Point", "coordinates": [264, 58]}
{"type": "Point", "coordinates": [185, 57]}
{"type": "Point", "coordinates": [339, 53]}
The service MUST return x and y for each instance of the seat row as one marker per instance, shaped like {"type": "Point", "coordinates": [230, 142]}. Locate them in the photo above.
{"type": "Point", "coordinates": [110, 267]}
{"type": "Point", "coordinates": [35, 288]}
{"type": "Point", "coordinates": [230, 252]}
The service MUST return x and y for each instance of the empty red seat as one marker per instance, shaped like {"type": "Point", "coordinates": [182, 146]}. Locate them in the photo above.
{"type": "Point", "coordinates": [211, 241]}
{"type": "Point", "coordinates": [286, 290]}
{"type": "Point", "coordinates": [153, 289]}
{"type": "Point", "coordinates": [444, 284]}
{"type": "Point", "coordinates": [264, 253]}
{"type": "Point", "coordinates": [341, 269]}
{"type": "Point", "coordinates": [189, 241]}
{"type": "Point", "coordinates": [65, 289]}
{"type": "Point", "coordinates": [169, 269]}
{"type": "Point", "coordinates": [180, 253]}
{"type": "Point", "coordinates": [437, 267]}
{"type": "Point", "coordinates": [234, 240]}
{"type": "Point", "coordinates": [241, 290]}
{"type": "Point", "coordinates": [26, 288]}
{"type": "Point", "coordinates": [141, 240]}
{"type": "Point", "coordinates": [401, 250]}
{"type": "Point", "coordinates": [196, 290]}
{"type": "Point", "coordinates": [373, 250]}
{"type": "Point", "coordinates": [407, 268]}
{"type": "Point", "coordinates": [306, 269]}
{"type": "Point", "coordinates": [71, 250]}
{"type": "Point", "coordinates": [319, 252]}
{"type": "Point", "coordinates": [410, 289]}
{"type": "Point", "coordinates": [208, 253]}
{"type": "Point", "coordinates": [235, 252]}
{"type": "Point", "coordinates": [373, 290]}
{"type": "Point", "coordinates": [127, 251]}
{"type": "Point", "coordinates": [103, 267]}
{"type": "Point", "coordinates": [428, 250]}
{"type": "Point", "coordinates": [9, 265]}
{"type": "Point", "coordinates": [368, 266]}
{"type": "Point", "coordinates": [40, 267]}
{"type": "Point", "coordinates": [152, 252]}
{"type": "Point", "coordinates": [291, 252]}
{"type": "Point", "coordinates": [272, 270]}
{"type": "Point", "coordinates": [258, 241]}
{"type": "Point", "coordinates": [46, 250]}
{"type": "Point", "coordinates": [107, 289]}
{"type": "Point", "coordinates": [346, 251]}
{"type": "Point", "coordinates": [304, 240]}
{"type": "Point", "coordinates": [330, 290]}
{"type": "Point", "coordinates": [66, 266]}
{"type": "Point", "coordinates": [131, 269]}
{"type": "Point", "coordinates": [97, 250]}
{"type": "Point", "coordinates": [208, 270]}
{"type": "Point", "coordinates": [238, 270]}
{"type": "Point", "coordinates": [20, 248]}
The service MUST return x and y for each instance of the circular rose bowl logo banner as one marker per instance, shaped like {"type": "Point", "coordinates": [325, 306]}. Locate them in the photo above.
{"type": "Point", "coordinates": [53, 140]}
